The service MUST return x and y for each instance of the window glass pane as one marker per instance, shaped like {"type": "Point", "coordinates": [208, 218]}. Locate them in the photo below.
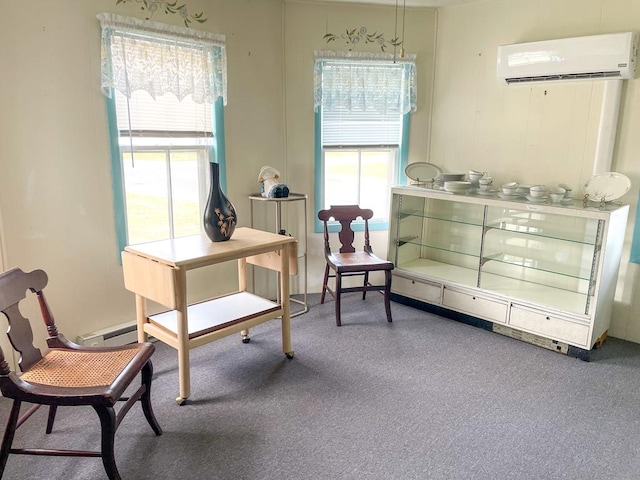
{"type": "Point", "coordinates": [146, 196]}
{"type": "Point", "coordinates": [185, 194]}
{"type": "Point", "coordinates": [359, 176]}
{"type": "Point", "coordinates": [377, 166]}
{"type": "Point", "coordinates": [341, 179]}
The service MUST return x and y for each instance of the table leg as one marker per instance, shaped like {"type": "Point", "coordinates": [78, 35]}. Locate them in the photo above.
{"type": "Point", "coordinates": [183, 337]}
{"type": "Point", "coordinates": [141, 317]}
{"type": "Point", "coordinates": [284, 299]}
{"type": "Point", "coordinates": [242, 287]}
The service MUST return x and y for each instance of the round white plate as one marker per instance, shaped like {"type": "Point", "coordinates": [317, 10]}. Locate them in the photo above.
{"type": "Point", "coordinates": [485, 192]}
{"type": "Point", "coordinates": [422, 171]}
{"type": "Point", "coordinates": [608, 186]}
{"type": "Point", "coordinates": [537, 199]}
{"type": "Point", "coordinates": [507, 195]}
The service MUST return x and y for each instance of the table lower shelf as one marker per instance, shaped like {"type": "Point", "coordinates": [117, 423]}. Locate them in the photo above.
{"type": "Point", "coordinates": [220, 313]}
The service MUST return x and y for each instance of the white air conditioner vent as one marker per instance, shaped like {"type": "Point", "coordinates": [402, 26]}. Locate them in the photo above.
{"type": "Point", "coordinates": [611, 56]}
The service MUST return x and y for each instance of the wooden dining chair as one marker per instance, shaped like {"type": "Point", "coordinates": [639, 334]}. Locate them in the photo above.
{"type": "Point", "coordinates": [348, 261]}
{"type": "Point", "coordinates": [67, 375]}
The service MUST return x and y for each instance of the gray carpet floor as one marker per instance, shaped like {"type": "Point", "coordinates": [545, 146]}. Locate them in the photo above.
{"type": "Point", "coordinates": [421, 398]}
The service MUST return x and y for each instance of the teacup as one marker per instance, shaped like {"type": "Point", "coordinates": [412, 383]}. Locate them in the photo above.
{"type": "Point", "coordinates": [475, 176]}
{"type": "Point", "coordinates": [509, 188]}
{"type": "Point", "coordinates": [567, 189]}
{"type": "Point", "coordinates": [556, 197]}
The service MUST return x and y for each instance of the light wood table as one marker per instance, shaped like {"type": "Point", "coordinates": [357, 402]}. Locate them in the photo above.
{"type": "Point", "coordinates": [157, 271]}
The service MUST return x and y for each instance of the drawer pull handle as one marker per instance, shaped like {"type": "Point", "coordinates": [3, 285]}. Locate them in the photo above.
{"type": "Point", "coordinates": [548, 318]}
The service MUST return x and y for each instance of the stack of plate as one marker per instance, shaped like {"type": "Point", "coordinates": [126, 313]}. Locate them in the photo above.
{"type": "Point", "coordinates": [450, 177]}
{"type": "Point", "coordinates": [457, 186]}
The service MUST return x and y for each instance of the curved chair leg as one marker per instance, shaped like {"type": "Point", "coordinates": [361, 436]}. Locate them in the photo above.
{"type": "Point", "coordinates": [324, 283]}
{"type": "Point", "coordinates": [8, 434]}
{"type": "Point", "coordinates": [387, 293]}
{"type": "Point", "coordinates": [108, 422]}
{"type": "Point", "coordinates": [145, 400]}
{"type": "Point", "coordinates": [52, 417]}
{"type": "Point", "coordinates": [366, 282]}
{"type": "Point", "coordinates": [337, 297]}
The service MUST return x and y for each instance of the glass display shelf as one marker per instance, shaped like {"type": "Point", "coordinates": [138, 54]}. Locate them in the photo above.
{"type": "Point", "coordinates": [545, 269]}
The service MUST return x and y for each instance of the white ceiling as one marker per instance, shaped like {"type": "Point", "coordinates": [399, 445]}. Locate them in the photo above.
{"type": "Point", "coordinates": [410, 3]}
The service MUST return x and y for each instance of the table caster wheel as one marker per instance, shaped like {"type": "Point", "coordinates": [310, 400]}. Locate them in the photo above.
{"type": "Point", "coordinates": [289, 355]}
{"type": "Point", "coordinates": [181, 401]}
{"type": "Point", "coordinates": [246, 339]}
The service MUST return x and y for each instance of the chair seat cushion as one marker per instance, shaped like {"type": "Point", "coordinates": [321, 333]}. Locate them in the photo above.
{"type": "Point", "coordinates": [357, 261]}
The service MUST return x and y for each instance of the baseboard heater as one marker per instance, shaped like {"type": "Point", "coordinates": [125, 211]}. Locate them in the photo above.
{"type": "Point", "coordinates": [112, 336]}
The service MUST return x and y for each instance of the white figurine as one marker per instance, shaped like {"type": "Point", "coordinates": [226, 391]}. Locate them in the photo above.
{"type": "Point", "coordinates": [270, 185]}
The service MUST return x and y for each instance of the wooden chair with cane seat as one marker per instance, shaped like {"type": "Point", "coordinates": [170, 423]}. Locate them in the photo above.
{"type": "Point", "coordinates": [67, 374]}
{"type": "Point", "coordinates": [348, 262]}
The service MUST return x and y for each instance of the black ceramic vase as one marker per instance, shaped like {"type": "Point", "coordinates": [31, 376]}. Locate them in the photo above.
{"type": "Point", "coordinates": [220, 216]}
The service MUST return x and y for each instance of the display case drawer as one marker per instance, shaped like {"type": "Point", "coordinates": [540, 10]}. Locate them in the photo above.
{"type": "Point", "coordinates": [549, 326]}
{"type": "Point", "coordinates": [427, 292]}
{"type": "Point", "coordinates": [487, 308]}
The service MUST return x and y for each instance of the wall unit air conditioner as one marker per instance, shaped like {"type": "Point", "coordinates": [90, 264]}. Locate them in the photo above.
{"type": "Point", "coordinates": [611, 56]}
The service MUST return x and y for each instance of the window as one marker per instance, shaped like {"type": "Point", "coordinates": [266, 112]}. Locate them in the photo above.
{"type": "Point", "coordinates": [362, 120]}
{"type": "Point", "coordinates": [166, 87]}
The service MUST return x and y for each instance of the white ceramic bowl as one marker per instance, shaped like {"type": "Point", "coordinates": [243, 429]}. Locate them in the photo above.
{"type": "Point", "coordinates": [557, 190]}
{"type": "Point", "coordinates": [556, 197]}
{"type": "Point", "coordinates": [536, 193]}
{"type": "Point", "coordinates": [485, 181]}
{"type": "Point", "coordinates": [536, 188]}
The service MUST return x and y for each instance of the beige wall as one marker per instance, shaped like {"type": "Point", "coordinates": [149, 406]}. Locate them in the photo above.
{"type": "Point", "coordinates": [541, 133]}
{"type": "Point", "coordinates": [305, 24]}
{"type": "Point", "coordinates": [55, 177]}
{"type": "Point", "coordinates": [55, 180]}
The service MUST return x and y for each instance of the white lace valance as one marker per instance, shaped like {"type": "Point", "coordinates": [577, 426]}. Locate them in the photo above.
{"type": "Point", "coordinates": [365, 81]}
{"type": "Point", "coordinates": [159, 58]}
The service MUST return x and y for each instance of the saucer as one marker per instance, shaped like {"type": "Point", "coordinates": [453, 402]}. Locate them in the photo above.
{"type": "Point", "coordinates": [537, 199]}
{"type": "Point", "coordinates": [507, 195]}
{"type": "Point", "coordinates": [485, 192]}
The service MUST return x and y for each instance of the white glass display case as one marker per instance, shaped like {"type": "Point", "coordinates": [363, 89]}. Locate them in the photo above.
{"type": "Point", "coordinates": [543, 273]}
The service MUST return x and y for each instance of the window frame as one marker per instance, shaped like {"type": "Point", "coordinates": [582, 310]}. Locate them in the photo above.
{"type": "Point", "coordinates": [402, 159]}
{"type": "Point", "coordinates": [216, 153]}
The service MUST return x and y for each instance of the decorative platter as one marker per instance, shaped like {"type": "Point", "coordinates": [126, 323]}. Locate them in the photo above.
{"type": "Point", "coordinates": [607, 186]}
{"type": "Point", "coordinates": [422, 171]}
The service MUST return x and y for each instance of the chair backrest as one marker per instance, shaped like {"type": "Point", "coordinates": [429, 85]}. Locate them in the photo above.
{"type": "Point", "coordinates": [345, 215]}
{"type": "Point", "coordinates": [13, 289]}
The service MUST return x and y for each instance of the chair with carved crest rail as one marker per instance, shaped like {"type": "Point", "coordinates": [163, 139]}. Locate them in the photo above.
{"type": "Point", "coordinates": [67, 375]}
{"type": "Point", "coordinates": [348, 262]}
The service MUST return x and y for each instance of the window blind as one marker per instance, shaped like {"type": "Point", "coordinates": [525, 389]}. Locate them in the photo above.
{"type": "Point", "coordinates": [341, 127]}
{"type": "Point", "coordinates": [145, 116]}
